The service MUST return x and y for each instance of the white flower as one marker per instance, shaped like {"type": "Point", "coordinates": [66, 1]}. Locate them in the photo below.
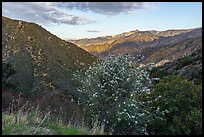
{"type": "Point", "coordinates": [133, 116]}
{"type": "Point", "coordinates": [141, 114]}
{"type": "Point", "coordinates": [128, 114]}
{"type": "Point", "coordinates": [119, 119]}
{"type": "Point", "coordinates": [166, 111]}
{"type": "Point", "coordinates": [95, 94]}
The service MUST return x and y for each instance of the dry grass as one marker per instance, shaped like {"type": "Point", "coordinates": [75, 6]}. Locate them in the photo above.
{"type": "Point", "coordinates": [32, 121]}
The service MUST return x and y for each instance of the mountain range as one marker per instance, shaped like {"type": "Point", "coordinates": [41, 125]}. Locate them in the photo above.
{"type": "Point", "coordinates": [147, 46]}
{"type": "Point", "coordinates": [45, 65]}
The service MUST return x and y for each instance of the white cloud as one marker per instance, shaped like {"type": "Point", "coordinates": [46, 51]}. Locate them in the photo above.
{"type": "Point", "coordinates": [41, 12]}
{"type": "Point", "coordinates": [53, 12]}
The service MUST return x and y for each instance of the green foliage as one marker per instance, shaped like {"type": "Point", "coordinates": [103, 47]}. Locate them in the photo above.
{"type": "Point", "coordinates": [175, 106]}
{"type": "Point", "coordinates": [189, 66]}
{"type": "Point", "coordinates": [182, 63]}
{"type": "Point", "coordinates": [187, 60]}
{"type": "Point", "coordinates": [158, 72]}
{"type": "Point", "coordinates": [7, 71]}
{"type": "Point", "coordinates": [114, 86]}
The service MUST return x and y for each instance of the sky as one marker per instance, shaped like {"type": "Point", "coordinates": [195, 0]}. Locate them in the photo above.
{"type": "Point", "coordinates": [76, 20]}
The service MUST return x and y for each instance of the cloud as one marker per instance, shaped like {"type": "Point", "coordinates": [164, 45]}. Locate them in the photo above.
{"type": "Point", "coordinates": [93, 31]}
{"type": "Point", "coordinates": [42, 13]}
{"type": "Point", "coordinates": [108, 8]}
{"type": "Point", "coordinates": [54, 12]}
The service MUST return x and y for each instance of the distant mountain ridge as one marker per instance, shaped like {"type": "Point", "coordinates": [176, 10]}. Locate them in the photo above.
{"type": "Point", "coordinates": [131, 35]}
{"type": "Point", "coordinates": [145, 43]}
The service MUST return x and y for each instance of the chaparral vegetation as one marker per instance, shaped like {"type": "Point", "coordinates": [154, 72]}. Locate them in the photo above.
{"type": "Point", "coordinates": [134, 83]}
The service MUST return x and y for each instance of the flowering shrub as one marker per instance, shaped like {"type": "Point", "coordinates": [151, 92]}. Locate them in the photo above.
{"type": "Point", "coordinates": [114, 86]}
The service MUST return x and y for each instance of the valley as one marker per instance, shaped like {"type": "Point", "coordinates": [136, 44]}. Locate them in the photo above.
{"type": "Point", "coordinates": [137, 82]}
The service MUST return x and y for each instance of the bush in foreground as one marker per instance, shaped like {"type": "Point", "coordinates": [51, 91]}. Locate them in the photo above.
{"type": "Point", "coordinates": [114, 86]}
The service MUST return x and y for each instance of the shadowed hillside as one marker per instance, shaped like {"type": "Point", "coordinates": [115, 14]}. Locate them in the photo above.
{"type": "Point", "coordinates": [44, 64]}
{"type": "Point", "coordinates": [189, 66]}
